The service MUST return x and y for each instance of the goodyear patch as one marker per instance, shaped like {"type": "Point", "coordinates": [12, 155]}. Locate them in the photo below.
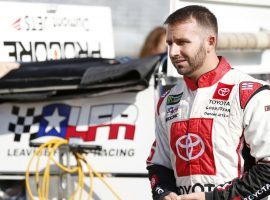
{"type": "Point", "coordinates": [174, 99]}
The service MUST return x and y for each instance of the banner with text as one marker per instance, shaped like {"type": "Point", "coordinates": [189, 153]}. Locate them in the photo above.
{"type": "Point", "coordinates": [39, 32]}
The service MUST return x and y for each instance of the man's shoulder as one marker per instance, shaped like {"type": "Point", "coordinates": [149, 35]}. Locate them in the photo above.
{"type": "Point", "coordinates": [247, 86]}
{"type": "Point", "coordinates": [239, 77]}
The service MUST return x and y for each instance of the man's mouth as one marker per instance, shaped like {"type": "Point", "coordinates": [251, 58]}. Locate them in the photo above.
{"type": "Point", "coordinates": [179, 61]}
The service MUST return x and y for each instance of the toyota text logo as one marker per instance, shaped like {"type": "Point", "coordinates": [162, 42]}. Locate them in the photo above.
{"type": "Point", "coordinates": [223, 91]}
{"type": "Point", "coordinates": [190, 147]}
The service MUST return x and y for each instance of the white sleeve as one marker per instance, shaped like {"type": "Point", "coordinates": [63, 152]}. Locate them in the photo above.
{"type": "Point", "coordinates": [161, 148]}
{"type": "Point", "coordinates": [257, 125]}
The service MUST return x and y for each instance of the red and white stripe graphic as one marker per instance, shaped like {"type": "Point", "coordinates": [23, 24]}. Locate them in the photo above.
{"type": "Point", "coordinates": [17, 24]}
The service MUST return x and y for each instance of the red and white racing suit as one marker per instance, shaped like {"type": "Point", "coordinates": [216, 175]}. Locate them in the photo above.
{"type": "Point", "coordinates": [214, 137]}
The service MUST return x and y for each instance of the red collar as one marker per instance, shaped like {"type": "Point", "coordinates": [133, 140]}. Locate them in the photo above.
{"type": "Point", "coordinates": [211, 77]}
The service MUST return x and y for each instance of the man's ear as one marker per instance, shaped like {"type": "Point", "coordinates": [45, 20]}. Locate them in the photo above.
{"type": "Point", "coordinates": [211, 43]}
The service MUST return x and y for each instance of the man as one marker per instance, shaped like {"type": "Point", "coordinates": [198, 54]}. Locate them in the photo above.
{"type": "Point", "coordinates": [213, 128]}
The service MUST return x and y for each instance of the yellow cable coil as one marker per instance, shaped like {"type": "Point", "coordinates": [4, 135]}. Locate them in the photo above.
{"type": "Point", "coordinates": [42, 186]}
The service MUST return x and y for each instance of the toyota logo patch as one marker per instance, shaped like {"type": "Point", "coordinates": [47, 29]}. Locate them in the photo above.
{"type": "Point", "coordinates": [224, 91]}
{"type": "Point", "coordinates": [191, 142]}
{"type": "Point", "coordinates": [190, 147]}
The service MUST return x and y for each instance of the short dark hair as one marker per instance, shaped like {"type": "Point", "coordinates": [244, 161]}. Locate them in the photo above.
{"type": "Point", "coordinates": [203, 16]}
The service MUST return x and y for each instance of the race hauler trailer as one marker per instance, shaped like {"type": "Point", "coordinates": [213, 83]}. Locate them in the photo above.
{"type": "Point", "coordinates": [78, 123]}
{"type": "Point", "coordinates": [68, 85]}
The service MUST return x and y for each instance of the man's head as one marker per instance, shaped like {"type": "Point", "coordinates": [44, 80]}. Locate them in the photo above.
{"type": "Point", "coordinates": [204, 17]}
{"type": "Point", "coordinates": [191, 38]}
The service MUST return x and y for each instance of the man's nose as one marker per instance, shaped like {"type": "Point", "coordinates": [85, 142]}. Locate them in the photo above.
{"type": "Point", "coordinates": [174, 50]}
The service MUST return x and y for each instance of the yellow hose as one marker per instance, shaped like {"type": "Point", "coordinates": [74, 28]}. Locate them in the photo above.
{"type": "Point", "coordinates": [42, 186]}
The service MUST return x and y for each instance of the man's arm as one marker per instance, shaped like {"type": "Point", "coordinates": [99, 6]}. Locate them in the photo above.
{"type": "Point", "coordinates": [159, 168]}
{"type": "Point", "coordinates": [255, 184]}
{"type": "Point", "coordinates": [162, 181]}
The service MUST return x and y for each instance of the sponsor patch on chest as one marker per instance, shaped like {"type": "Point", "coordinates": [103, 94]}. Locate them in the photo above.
{"type": "Point", "coordinates": [172, 112]}
{"type": "Point", "coordinates": [172, 106]}
{"type": "Point", "coordinates": [217, 108]}
{"type": "Point", "coordinates": [219, 105]}
{"type": "Point", "coordinates": [223, 91]}
{"type": "Point", "coordinates": [174, 99]}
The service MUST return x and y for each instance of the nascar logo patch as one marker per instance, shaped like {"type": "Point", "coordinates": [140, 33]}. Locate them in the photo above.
{"type": "Point", "coordinates": [174, 99]}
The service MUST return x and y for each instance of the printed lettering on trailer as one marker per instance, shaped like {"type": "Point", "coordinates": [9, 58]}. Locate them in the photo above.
{"type": "Point", "coordinates": [50, 23]}
{"type": "Point", "coordinates": [40, 32]}
{"type": "Point", "coordinates": [114, 152]}
{"type": "Point", "coordinates": [52, 50]}
{"type": "Point", "coordinates": [105, 152]}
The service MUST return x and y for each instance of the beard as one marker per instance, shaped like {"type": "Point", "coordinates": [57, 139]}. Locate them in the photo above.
{"type": "Point", "coordinates": [198, 59]}
{"type": "Point", "coordinates": [194, 62]}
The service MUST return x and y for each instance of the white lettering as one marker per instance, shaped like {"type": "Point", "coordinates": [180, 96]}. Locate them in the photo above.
{"type": "Point", "coordinates": [258, 192]}
{"type": "Point", "coordinates": [41, 50]}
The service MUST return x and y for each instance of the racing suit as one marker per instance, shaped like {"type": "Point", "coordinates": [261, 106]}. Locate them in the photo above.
{"type": "Point", "coordinates": [213, 137]}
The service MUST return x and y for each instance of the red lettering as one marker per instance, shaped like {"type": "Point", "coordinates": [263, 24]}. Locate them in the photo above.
{"type": "Point", "coordinates": [71, 132]}
{"type": "Point", "coordinates": [90, 134]}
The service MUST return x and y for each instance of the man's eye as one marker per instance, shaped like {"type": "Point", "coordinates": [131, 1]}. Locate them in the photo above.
{"type": "Point", "coordinates": [181, 43]}
{"type": "Point", "coordinates": [169, 43]}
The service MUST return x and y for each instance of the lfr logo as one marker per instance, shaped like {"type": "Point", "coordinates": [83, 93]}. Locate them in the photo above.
{"type": "Point", "coordinates": [112, 120]}
{"type": "Point", "coordinates": [190, 147]}
{"type": "Point", "coordinates": [191, 142]}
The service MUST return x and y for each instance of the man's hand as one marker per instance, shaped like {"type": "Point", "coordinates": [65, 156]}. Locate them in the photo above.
{"type": "Point", "coordinates": [192, 196]}
{"type": "Point", "coordinates": [171, 196]}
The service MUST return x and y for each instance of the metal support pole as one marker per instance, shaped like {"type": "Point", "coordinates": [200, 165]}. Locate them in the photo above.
{"type": "Point", "coordinates": [65, 185]}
